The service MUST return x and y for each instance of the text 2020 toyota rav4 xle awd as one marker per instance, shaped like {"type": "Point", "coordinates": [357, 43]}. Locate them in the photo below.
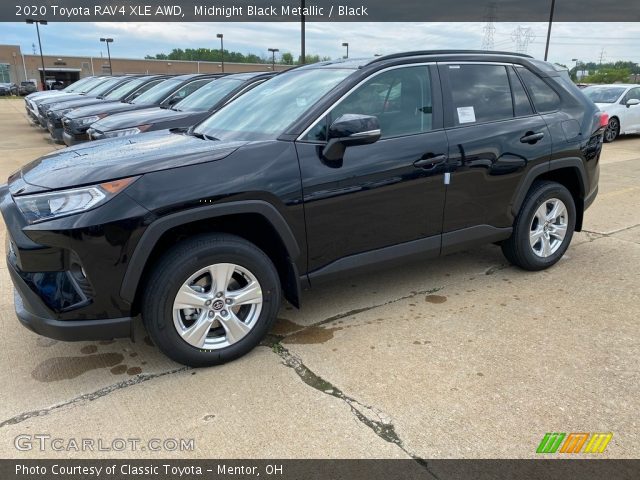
{"type": "Point", "coordinates": [321, 170]}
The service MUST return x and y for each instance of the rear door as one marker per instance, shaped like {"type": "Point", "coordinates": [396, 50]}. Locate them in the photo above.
{"type": "Point", "coordinates": [494, 138]}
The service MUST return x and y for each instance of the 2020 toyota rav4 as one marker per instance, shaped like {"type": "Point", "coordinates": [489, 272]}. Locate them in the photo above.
{"type": "Point", "coordinates": [325, 169]}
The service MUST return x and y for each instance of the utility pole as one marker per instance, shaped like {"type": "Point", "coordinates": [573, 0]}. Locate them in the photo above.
{"type": "Point", "coordinates": [602, 55]}
{"type": "Point", "coordinates": [546, 48]}
{"type": "Point", "coordinates": [489, 27]}
{"type": "Point", "coordinates": [303, 55]}
{"type": "Point", "coordinates": [273, 58]}
{"type": "Point", "coordinates": [108, 41]}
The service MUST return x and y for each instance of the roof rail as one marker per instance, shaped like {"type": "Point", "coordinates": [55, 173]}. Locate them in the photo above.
{"type": "Point", "coordinates": [443, 52]}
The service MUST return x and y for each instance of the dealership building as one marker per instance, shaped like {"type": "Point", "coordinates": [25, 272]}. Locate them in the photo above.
{"type": "Point", "coordinates": [16, 66]}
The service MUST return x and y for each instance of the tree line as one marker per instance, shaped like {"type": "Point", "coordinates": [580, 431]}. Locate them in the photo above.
{"type": "Point", "coordinates": [610, 72]}
{"type": "Point", "coordinates": [215, 55]}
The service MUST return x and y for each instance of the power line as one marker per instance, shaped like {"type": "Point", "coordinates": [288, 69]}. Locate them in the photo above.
{"type": "Point", "coordinates": [522, 36]}
{"type": "Point", "coordinates": [489, 28]}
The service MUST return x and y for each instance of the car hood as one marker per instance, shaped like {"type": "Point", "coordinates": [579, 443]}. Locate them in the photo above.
{"type": "Point", "coordinates": [106, 109]}
{"type": "Point", "coordinates": [67, 97]}
{"type": "Point", "coordinates": [139, 117]}
{"type": "Point", "coordinates": [606, 106]}
{"type": "Point", "coordinates": [81, 102]}
{"type": "Point", "coordinates": [110, 159]}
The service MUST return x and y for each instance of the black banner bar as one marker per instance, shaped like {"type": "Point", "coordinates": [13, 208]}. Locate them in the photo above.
{"type": "Point", "coordinates": [547, 469]}
{"type": "Point", "coordinates": [319, 10]}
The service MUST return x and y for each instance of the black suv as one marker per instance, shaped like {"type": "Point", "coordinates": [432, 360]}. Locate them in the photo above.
{"type": "Point", "coordinates": [321, 170]}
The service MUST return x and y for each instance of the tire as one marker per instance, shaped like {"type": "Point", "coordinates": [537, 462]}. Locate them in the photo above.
{"type": "Point", "coordinates": [612, 131]}
{"type": "Point", "coordinates": [251, 297]}
{"type": "Point", "coordinates": [535, 243]}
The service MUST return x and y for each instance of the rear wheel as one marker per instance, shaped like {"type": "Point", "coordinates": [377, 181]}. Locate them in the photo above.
{"type": "Point", "coordinates": [211, 299]}
{"type": "Point", "coordinates": [543, 229]}
{"type": "Point", "coordinates": [613, 130]}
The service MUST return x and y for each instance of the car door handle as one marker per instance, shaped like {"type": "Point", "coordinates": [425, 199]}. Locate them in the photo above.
{"type": "Point", "coordinates": [428, 162]}
{"type": "Point", "coordinates": [531, 137]}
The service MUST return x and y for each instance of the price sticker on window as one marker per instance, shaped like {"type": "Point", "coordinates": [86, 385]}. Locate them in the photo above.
{"type": "Point", "coordinates": [466, 115]}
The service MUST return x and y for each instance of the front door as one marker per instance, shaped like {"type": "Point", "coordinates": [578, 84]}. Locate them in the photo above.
{"type": "Point", "coordinates": [386, 193]}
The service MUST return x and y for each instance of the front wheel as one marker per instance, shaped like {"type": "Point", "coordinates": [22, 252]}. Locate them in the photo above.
{"type": "Point", "coordinates": [543, 229]}
{"type": "Point", "coordinates": [612, 131]}
{"type": "Point", "coordinates": [211, 299]}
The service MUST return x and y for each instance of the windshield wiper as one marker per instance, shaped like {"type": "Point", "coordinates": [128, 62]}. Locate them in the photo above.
{"type": "Point", "coordinates": [204, 136]}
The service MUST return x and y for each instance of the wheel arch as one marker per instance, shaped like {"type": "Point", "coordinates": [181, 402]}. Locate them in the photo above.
{"type": "Point", "coordinates": [569, 172]}
{"type": "Point", "coordinates": [267, 229]}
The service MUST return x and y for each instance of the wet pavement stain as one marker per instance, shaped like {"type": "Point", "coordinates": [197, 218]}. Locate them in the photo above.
{"type": "Point", "coordinates": [134, 371]}
{"type": "Point", "coordinates": [282, 326]}
{"type": "Point", "coordinates": [89, 349]}
{"type": "Point", "coordinates": [435, 298]}
{"type": "Point", "coordinates": [65, 368]}
{"type": "Point", "coordinates": [133, 354]}
{"type": "Point", "coordinates": [119, 369]}
{"type": "Point", "coordinates": [311, 336]}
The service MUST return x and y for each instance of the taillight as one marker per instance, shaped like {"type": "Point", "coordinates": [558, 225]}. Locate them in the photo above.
{"type": "Point", "coordinates": [604, 119]}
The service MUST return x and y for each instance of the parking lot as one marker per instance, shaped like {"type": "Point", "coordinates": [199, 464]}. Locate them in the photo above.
{"type": "Point", "coordinates": [463, 356]}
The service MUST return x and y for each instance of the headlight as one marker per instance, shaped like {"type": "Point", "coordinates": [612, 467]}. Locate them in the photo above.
{"type": "Point", "coordinates": [126, 131]}
{"type": "Point", "coordinates": [88, 120]}
{"type": "Point", "coordinates": [45, 206]}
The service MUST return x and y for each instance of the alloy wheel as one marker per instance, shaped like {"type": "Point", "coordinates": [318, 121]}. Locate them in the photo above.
{"type": "Point", "coordinates": [548, 227]}
{"type": "Point", "coordinates": [217, 306]}
{"type": "Point", "coordinates": [611, 132]}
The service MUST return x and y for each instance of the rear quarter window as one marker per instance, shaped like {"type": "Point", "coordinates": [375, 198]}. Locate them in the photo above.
{"type": "Point", "coordinates": [545, 98]}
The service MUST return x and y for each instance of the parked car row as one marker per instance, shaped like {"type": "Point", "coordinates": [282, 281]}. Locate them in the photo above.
{"type": "Point", "coordinates": [283, 182]}
{"type": "Point", "coordinates": [8, 89]}
{"type": "Point", "coordinates": [116, 106]}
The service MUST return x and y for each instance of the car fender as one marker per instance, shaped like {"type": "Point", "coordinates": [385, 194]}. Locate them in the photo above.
{"type": "Point", "coordinates": [155, 230]}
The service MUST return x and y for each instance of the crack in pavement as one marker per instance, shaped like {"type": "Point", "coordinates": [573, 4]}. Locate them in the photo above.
{"type": "Point", "coordinates": [375, 419]}
{"type": "Point", "coordinates": [89, 397]}
{"type": "Point", "coordinates": [600, 235]}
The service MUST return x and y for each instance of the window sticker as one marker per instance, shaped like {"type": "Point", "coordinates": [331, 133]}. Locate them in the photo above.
{"type": "Point", "coordinates": [466, 115]}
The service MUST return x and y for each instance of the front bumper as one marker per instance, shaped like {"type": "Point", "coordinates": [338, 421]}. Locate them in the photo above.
{"type": "Point", "coordinates": [73, 137]}
{"type": "Point", "coordinates": [33, 315]}
{"type": "Point", "coordinates": [54, 130]}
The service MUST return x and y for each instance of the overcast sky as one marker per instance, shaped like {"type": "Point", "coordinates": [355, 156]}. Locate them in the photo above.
{"type": "Point", "coordinates": [585, 41]}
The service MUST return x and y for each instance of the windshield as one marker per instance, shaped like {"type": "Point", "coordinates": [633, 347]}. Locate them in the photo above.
{"type": "Point", "coordinates": [604, 94]}
{"type": "Point", "coordinates": [266, 111]}
{"type": "Point", "coordinates": [208, 95]}
{"type": "Point", "coordinates": [157, 93]}
{"type": "Point", "coordinates": [91, 85]}
{"type": "Point", "coordinates": [106, 86]}
{"type": "Point", "coordinates": [125, 89]}
{"type": "Point", "coordinates": [76, 86]}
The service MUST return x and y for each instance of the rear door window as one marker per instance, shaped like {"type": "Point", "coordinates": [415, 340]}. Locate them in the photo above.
{"type": "Point", "coordinates": [479, 93]}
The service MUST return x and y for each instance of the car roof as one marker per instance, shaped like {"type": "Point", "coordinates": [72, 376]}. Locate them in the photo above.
{"type": "Point", "coordinates": [249, 75]}
{"type": "Point", "coordinates": [617, 85]}
{"type": "Point", "coordinates": [190, 76]}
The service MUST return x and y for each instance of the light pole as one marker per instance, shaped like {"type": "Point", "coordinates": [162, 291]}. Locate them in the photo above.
{"type": "Point", "coordinates": [345, 44]}
{"type": "Point", "coordinates": [303, 53]}
{"type": "Point", "coordinates": [221, 36]}
{"type": "Point", "coordinates": [273, 58]}
{"type": "Point", "coordinates": [108, 41]}
{"type": "Point", "coordinates": [31, 21]}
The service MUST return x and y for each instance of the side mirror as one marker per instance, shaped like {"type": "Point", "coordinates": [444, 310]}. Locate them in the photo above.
{"type": "Point", "coordinates": [350, 130]}
{"type": "Point", "coordinates": [632, 101]}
